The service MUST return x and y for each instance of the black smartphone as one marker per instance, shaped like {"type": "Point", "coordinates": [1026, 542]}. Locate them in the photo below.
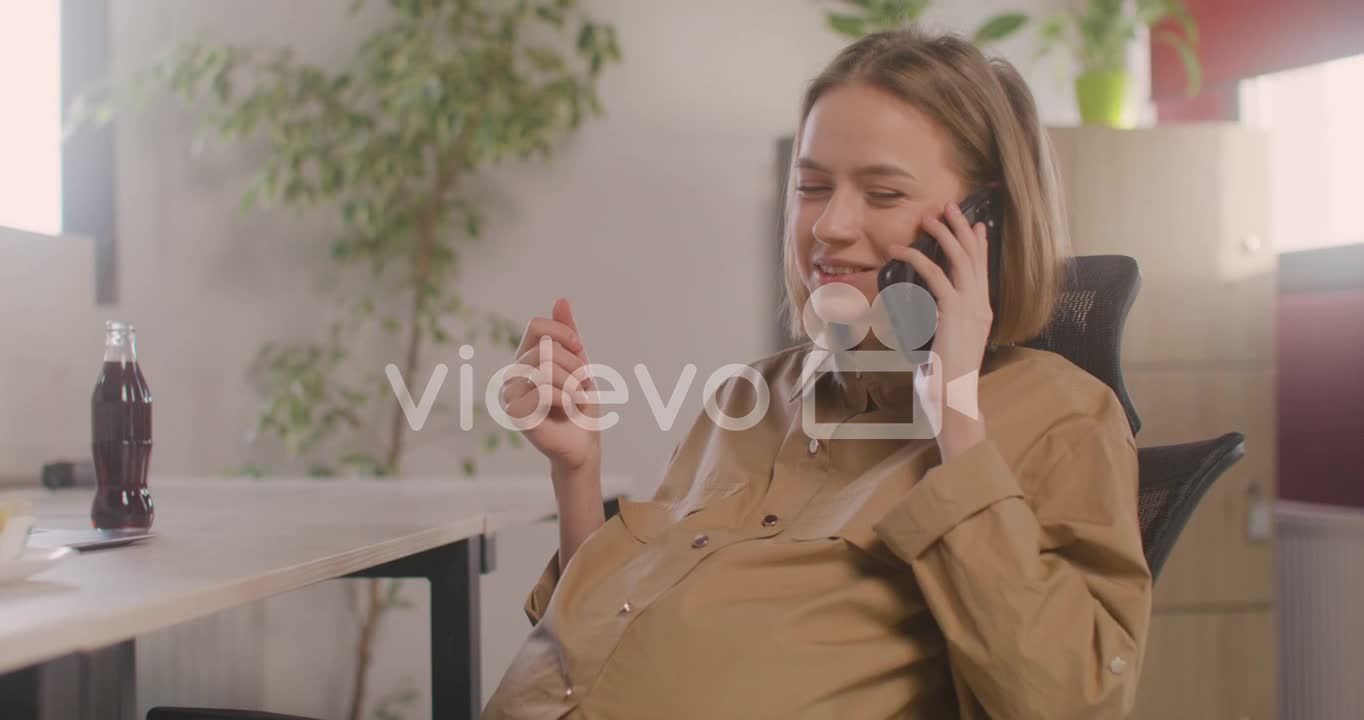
{"type": "Point", "coordinates": [84, 540]}
{"type": "Point", "coordinates": [984, 205]}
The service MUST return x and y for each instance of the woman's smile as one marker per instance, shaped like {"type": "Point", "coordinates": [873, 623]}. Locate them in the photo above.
{"type": "Point", "coordinates": [859, 275]}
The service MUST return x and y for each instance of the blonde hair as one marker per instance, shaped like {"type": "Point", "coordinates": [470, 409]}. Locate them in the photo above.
{"type": "Point", "coordinates": [987, 111]}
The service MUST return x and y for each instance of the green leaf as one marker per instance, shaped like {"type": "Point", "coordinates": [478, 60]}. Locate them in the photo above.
{"type": "Point", "coordinates": [249, 198]}
{"type": "Point", "coordinates": [1052, 31]}
{"type": "Point", "coordinates": [1182, 16]}
{"type": "Point", "coordinates": [360, 460]}
{"type": "Point", "coordinates": [544, 59]}
{"type": "Point", "coordinates": [890, 15]}
{"type": "Point", "coordinates": [469, 466]}
{"type": "Point", "coordinates": [999, 27]}
{"type": "Point", "coordinates": [587, 37]}
{"type": "Point", "coordinates": [550, 15]}
{"type": "Point", "coordinates": [222, 86]}
{"type": "Point", "coordinates": [849, 25]}
{"type": "Point", "coordinates": [1150, 12]}
{"type": "Point", "coordinates": [1193, 72]}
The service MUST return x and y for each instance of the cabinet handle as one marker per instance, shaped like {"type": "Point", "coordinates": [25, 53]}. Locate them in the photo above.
{"type": "Point", "coordinates": [1259, 514]}
{"type": "Point", "coordinates": [1250, 244]}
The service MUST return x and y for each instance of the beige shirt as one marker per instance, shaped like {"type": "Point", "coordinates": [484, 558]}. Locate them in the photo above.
{"type": "Point", "coordinates": [772, 576]}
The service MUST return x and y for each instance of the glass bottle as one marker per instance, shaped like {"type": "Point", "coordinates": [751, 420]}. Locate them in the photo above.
{"type": "Point", "coordinates": [121, 434]}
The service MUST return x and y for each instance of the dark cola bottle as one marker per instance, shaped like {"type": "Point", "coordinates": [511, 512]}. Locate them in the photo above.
{"type": "Point", "coordinates": [121, 433]}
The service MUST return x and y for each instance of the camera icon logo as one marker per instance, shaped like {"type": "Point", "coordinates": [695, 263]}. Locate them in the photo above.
{"type": "Point", "coordinates": [837, 318]}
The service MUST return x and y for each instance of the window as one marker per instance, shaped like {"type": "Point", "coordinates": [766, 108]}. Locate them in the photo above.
{"type": "Point", "coordinates": [31, 122]}
{"type": "Point", "coordinates": [1314, 116]}
{"type": "Point", "coordinates": [50, 52]}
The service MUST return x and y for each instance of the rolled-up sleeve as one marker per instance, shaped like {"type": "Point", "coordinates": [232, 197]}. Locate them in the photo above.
{"type": "Point", "coordinates": [540, 593]}
{"type": "Point", "coordinates": [1043, 596]}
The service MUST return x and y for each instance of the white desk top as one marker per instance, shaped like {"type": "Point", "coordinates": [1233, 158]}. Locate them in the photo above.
{"type": "Point", "coordinates": [224, 542]}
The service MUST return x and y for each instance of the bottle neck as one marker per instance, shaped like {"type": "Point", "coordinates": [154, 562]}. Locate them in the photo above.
{"type": "Point", "coordinates": [120, 346]}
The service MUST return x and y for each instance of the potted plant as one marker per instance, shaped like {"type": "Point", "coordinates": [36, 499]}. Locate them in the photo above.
{"type": "Point", "coordinates": [388, 143]}
{"type": "Point", "coordinates": [863, 17]}
{"type": "Point", "coordinates": [1097, 35]}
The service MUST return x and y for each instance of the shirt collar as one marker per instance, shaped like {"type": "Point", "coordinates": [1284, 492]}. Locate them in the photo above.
{"type": "Point", "coordinates": [885, 389]}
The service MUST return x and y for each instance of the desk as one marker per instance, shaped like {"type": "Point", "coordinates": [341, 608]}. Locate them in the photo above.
{"type": "Point", "coordinates": [225, 542]}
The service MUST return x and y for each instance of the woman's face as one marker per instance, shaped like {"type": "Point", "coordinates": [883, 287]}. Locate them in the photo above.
{"type": "Point", "coordinates": [869, 168]}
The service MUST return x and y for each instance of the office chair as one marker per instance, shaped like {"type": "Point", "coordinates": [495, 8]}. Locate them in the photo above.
{"type": "Point", "coordinates": [1173, 480]}
{"type": "Point", "coordinates": [1086, 329]}
{"type": "Point", "coordinates": [1086, 326]}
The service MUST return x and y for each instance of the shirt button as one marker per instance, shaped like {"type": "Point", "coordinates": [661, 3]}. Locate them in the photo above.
{"type": "Point", "coordinates": [700, 541]}
{"type": "Point", "coordinates": [814, 446]}
{"type": "Point", "coordinates": [625, 608]}
{"type": "Point", "coordinates": [1117, 665]}
{"type": "Point", "coordinates": [769, 521]}
{"type": "Point", "coordinates": [568, 693]}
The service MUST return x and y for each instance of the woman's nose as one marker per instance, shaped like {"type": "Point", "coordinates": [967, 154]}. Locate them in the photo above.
{"type": "Point", "coordinates": [841, 221]}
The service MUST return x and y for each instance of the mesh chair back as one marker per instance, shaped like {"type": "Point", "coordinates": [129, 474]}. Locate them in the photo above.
{"type": "Point", "coordinates": [1086, 327]}
{"type": "Point", "coordinates": [1173, 480]}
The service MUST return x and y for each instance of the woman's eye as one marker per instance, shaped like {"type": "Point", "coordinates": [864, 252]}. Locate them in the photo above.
{"type": "Point", "coordinates": [808, 189]}
{"type": "Point", "coordinates": [886, 196]}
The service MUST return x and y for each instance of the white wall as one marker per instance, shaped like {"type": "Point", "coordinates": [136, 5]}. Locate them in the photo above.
{"type": "Point", "coordinates": [656, 221]}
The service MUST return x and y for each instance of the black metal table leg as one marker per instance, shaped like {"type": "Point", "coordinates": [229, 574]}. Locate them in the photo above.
{"type": "Point", "coordinates": [98, 685]}
{"type": "Point", "coordinates": [456, 657]}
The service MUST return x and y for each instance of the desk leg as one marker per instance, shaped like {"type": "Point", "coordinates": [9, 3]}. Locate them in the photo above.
{"type": "Point", "coordinates": [109, 676]}
{"type": "Point", "coordinates": [456, 657]}
{"type": "Point", "coordinates": [100, 685]}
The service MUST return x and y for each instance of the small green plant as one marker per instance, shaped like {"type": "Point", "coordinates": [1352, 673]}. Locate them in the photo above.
{"type": "Point", "coordinates": [1098, 34]}
{"type": "Point", "coordinates": [386, 144]}
{"type": "Point", "coordinates": [856, 18]}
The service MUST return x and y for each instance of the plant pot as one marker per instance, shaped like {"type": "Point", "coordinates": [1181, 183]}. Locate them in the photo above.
{"type": "Point", "coordinates": [1102, 95]}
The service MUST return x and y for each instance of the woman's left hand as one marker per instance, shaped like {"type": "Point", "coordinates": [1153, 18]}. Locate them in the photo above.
{"type": "Point", "coordinates": [964, 317]}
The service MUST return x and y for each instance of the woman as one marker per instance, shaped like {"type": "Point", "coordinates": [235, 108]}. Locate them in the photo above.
{"type": "Point", "coordinates": [995, 570]}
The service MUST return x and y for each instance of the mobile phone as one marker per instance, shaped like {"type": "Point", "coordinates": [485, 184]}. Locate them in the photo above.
{"type": "Point", "coordinates": [984, 205]}
{"type": "Point", "coordinates": [85, 540]}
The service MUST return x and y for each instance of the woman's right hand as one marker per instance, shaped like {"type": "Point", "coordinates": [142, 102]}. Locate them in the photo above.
{"type": "Point", "coordinates": [569, 447]}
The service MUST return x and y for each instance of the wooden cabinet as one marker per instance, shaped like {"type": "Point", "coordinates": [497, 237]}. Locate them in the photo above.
{"type": "Point", "coordinates": [1216, 561]}
{"type": "Point", "coordinates": [1208, 666]}
{"type": "Point", "coordinates": [1191, 204]}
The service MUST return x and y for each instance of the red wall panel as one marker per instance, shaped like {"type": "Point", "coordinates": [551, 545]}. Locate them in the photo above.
{"type": "Point", "coordinates": [1321, 395]}
{"type": "Point", "coordinates": [1245, 38]}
